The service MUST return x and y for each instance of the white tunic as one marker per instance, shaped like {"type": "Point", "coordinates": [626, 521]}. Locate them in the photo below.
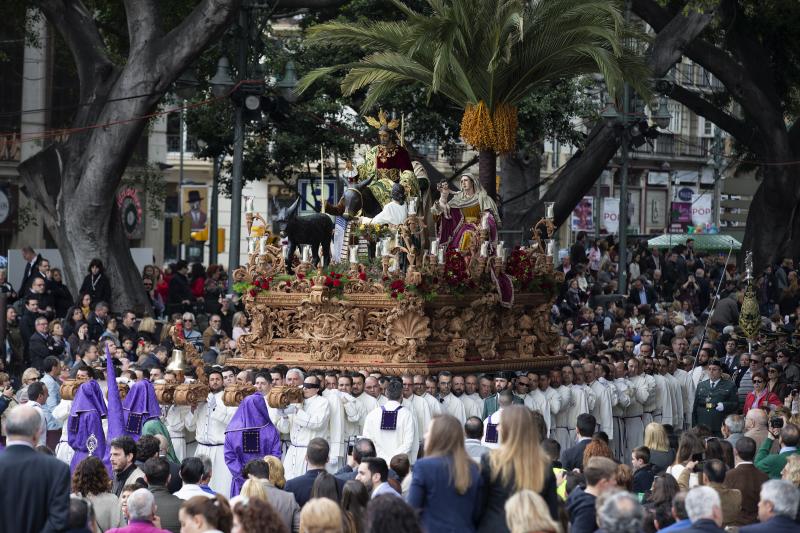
{"type": "Point", "coordinates": [578, 406]}
{"type": "Point", "coordinates": [536, 401]}
{"type": "Point", "coordinates": [493, 418]}
{"type": "Point", "coordinates": [650, 406]}
{"type": "Point", "coordinates": [602, 407]}
{"type": "Point", "coordinates": [309, 421]}
{"type": "Point", "coordinates": [562, 425]}
{"type": "Point", "coordinates": [684, 379]}
{"type": "Point", "coordinates": [175, 418]}
{"type": "Point", "coordinates": [478, 401]}
{"type": "Point", "coordinates": [455, 407]}
{"type": "Point", "coordinates": [389, 443]}
{"type": "Point", "coordinates": [553, 400]}
{"type": "Point", "coordinates": [353, 416]}
{"type": "Point", "coordinates": [471, 408]}
{"type": "Point", "coordinates": [209, 423]}
{"type": "Point", "coordinates": [677, 400]}
{"type": "Point", "coordinates": [433, 404]}
{"type": "Point", "coordinates": [63, 450]}
{"type": "Point", "coordinates": [663, 413]}
{"type": "Point", "coordinates": [422, 417]}
{"type": "Point", "coordinates": [336, 429]}
{"type": "Point", "coordinates": [366, 404]}
{"type": "Point", "coordinates": [392, 213]}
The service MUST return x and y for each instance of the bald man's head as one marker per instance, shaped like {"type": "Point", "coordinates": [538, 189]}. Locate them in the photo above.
{"type": "Point", "coordinates": [24, 423]}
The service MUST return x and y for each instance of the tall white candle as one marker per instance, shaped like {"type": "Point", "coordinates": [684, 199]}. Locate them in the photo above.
{"type": "Point", "coordinates": [251, 245]}
{"type": "Point", "coordinates": [412, 206]}
{"type": "Point", "coordinates": [263, 245]}
{"type": "Point", "coordinates": [440, 254]}
{"type": "Point", "coordinates": [434, 246]}
{"type": "Point", "coordinates": [249, 204]}
{"type": "Point", "coordinates": [484, 249]}
{"type": "Point", "coordinates": [551, 247]}
{"type": "Point", "coordinates": [385, 245]}
{"type": "Point", "coordinates": [549, 210]}
{"type": "Point", "coordinates": [485, 222]}
{"type": "Point", "coordinates": [307, 253]}
{"type": "Point", "coordinates": [354, 253]}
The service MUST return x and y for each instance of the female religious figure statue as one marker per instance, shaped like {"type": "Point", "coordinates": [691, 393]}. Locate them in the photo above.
{"type": "Point", "coordinates": [459, 218]}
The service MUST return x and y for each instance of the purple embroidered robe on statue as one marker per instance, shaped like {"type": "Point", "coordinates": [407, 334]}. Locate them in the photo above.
{"type": "Point", "coordinates": [250, 435]}
{"type": "Point", "coordinates": [85, 431]}
{"type": "Point", "coordinates": [139, 406]}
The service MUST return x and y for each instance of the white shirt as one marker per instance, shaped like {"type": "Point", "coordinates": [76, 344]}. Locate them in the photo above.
{"type": "Point", "coordinates": [211, 420]}
{"type": "Point", "coordinates": [40, 410]}
{"type": "Point", "coordinates": [189, 490]}
{"type": "Point", "coordinates": [366, 404]}
{"type": "Point", "coordinates": [455, 407]}
{"type": "Point", "coordinates": [602, 407]}
{"type": "Point", "coordinates": [392, 213]}
{"type": "Point", "coordinates": [536, 401]}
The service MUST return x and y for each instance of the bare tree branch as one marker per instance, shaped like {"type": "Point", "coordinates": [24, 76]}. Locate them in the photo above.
{"type": "Point", "coordinates": [77, 27]}
{"type": "Point", "coordinates": [700, 105]}
{"type": "Point", "coordinates": [143, 25]}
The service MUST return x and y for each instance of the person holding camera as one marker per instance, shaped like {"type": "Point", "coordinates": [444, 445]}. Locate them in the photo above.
{"type": "Point", "coordinates": [714, 399]}
{"type": "Point", "coordinates": [772, 463]}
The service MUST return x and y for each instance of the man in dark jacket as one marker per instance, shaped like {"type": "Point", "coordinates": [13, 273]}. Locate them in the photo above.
{"type": "Point", "coordinates": [316, 457]}
{"type": "Point", "coordinates": [156, 473]}
{"type": "Point", "coordinates": [572, 458]}
{"type": "Point", "coordinates": [180, 293]}
{"type": "Point", "coordinates": [776, 509]}
{"type": "Point", "coordinates": [38, 347]}
{"type": "Point", "coordinates": [747, 479]}
{"type": "Point", "coordinates": [97, 320]}
{"type": "Point", "coordinates": [27, 323]}
{"type": "Point", "coordinates": [600, 475]}
{"type": "Point", "coordinates": [37, 498]}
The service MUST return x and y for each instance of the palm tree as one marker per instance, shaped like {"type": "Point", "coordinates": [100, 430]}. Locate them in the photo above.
{"type": "Point", "coordinates": [485, 56]}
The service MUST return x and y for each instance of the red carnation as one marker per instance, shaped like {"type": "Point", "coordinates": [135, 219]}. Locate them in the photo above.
{"type": "Point", "coordinates": [253, 293]}
{"type": "Point", "coordinates": [337, 283]}
{"type": "Point", "coordinates": [362, 276]}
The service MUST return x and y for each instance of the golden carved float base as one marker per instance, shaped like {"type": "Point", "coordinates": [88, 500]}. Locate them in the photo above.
{"type": "Point", "coordinates": [366, 329]}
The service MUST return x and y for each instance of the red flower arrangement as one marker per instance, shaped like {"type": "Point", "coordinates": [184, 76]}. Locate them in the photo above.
{"type": "Point", "coordinates": [397, 287]}
{"type": "Point", "coordinates": [456, 275]}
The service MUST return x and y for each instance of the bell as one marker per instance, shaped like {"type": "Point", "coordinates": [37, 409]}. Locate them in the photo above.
{"type": "Point", "coordinates": [178, 364]}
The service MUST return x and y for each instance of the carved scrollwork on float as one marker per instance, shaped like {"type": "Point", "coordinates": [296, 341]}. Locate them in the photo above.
{"type": "Point", "coordinates": [329, 328]}
{"type": "Point", "coordinates": [407, 331]}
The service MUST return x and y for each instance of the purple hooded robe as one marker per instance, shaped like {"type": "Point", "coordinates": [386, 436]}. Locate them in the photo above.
{"type": "Point", "coordinates": [85, 432]}
{"type": "Point", "coordinates": [142, 415]}
{"type": "Point", "coordinates": [250, 435]}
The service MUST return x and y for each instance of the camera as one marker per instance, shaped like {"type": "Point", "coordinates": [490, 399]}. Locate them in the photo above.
{"type": "Point", "coordinates": [776, 422]}
{"type": "Point", "coordinates": [699, 467]}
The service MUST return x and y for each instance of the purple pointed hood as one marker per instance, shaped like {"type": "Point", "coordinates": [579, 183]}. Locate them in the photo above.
{"type": "Point", "coordinates": [251, 414]}
{"type": "Point", "coordinates": [89, 398]}
{"type": "Point", "coordinates": [140, 405]}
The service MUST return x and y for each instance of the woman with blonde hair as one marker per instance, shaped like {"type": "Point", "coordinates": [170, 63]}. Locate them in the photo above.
{"type": "Point", "coordinates": [446, 478]}
{"type": "Point", "coordinates": [276, 473]}
{"type": "Point", "coordinates": [517, 464]}
{"type": "Point", "coordinates": [253, 488]}
{"type": "Point", "coordinates": [655, 438]}
{"type": "Point", "coordinates": [30, 375]}
{"type": "Point", "coordinates": [791, 472]}
{"type": "Point", "coordinates": [239, 325]}
{"type": "Point", "coordinates": [321, 515]}
{"type": "Point", "coordinates": [526, 512]}
{"type": "Point", "coordinates": [147, 329]}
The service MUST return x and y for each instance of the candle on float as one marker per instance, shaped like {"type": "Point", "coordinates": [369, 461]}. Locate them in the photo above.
{"type": "Point", "coordinates": [249, 204]}
{"type": "Point", "coordinates": [263, 242]}
{"type": "Point", "coordinates": [484, 249]}
{"type": "Point", "coordinates": [285, 251]}
{"type": "Point", "coordinates": [501, 253]}
{"type": "Point", "coordinates": [354, 253]}
{"type": "Point", "coordinates": [306, 258]}
{"type": "Point", "coordinates": [251, 245]}
{"type": "Point", "coordinates": [549, 210]}
{"type": "Point", "coordinates": [551, 247]}
{"type": "Point", "coordinates": [385, 246]}
{"type": "Point", "coordinates": [485, 222]}
{"type": "Point", "coordinates": [434, 246]}
{"type": "Point", "coordinates": [412, 206]}
{"type": "Point", "coordinates": [440, 254]}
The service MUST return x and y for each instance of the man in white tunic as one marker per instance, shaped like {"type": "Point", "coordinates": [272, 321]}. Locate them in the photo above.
{"type": "Point", "coordinates": [419, 390]}
{"type": "Point", "coordinates": [366, 403]}
{"type": "Point", "coordinates": [663, 413]}
{"type": "Point", "coordinates": [458, 389]}
{"type": "Point", "coordinates": [552, 399]}
{"type": "Point", "coordinates": [624, 395]}
{"type": "Point", "coordinates": [634, 427]}
{"type": "Point", "coordinates": [391, 427]}
{"type": "Point", "coordinates": [304, 422]}
{"type": "Point", "coordinates": [336, 423]}
{"type": "Point", "coordinates": [647, 368]}
{"type": "Point", "coordinates": [535, 400]}
{"type": "Point", "coordinates": [373, 387]}
{"type": "Point", "coordinates": [578, 404]}
{"type": "Point", "coordinates": [419, 408]}
{"type": "Point", "coordinates": [451, 404]}
{"type": "Point", "coordinates": [210, 421]}
{"type": "Point", "coordinates": [175, 418]}
{"type": "Point", "coordinates": [603, 403]}
{"type": "Point", "coordinates": [352, 409]}
{"type": "Point", "coordinates": [677, 390]}
{"type": "Point", "coordinates": [561, 430]}
{"type": "Point", "coordinates": [472, 391]}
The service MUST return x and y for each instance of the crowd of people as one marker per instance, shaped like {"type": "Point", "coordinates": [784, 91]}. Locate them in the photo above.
{"type": "Point", "coordinates": [662, 417]}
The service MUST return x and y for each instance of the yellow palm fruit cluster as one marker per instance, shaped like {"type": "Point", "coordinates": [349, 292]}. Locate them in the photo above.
{"type": "Point", "coordinates": [486, 132]}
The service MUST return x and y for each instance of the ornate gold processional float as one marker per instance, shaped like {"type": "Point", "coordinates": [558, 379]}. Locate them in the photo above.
{"type": "Point", "coordinates": [413, 308]}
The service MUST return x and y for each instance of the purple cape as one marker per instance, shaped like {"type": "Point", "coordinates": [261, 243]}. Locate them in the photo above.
{"type": "Point", "coordinates": [250, 435]}
{"type": "Point", "coordinates": [85, 428]}
{"type": "Point", "coordinates": [140, 405]}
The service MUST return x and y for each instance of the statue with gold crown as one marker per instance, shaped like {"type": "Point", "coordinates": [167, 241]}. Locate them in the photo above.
{"type": "Point", "coordinates": [388, 163]}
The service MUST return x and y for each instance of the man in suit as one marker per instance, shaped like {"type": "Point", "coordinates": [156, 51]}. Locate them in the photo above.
{"type": "Point", "coordinates": [31, 268]}
{"type": "Point", "coordinates": [492, 403]}
{"type": "Point", "coordinates": [283, 502]}
{"type": "Point", "coordinates": [772, 463]}
{"type": "Point", "coordinates": [776, 509]}
{"type": "Point", "coordinates": [37, 495]}
{"type": "Point", "coordinates": [730, 361]}
{"type": "Point", "coordinates": [572, 458]}
{"type": "Point", "coordinates": [156, 473]}
{"type": "Point", "coordinates": [704, 510]}
{"type": "Point", "coordinates": [641, 293]}
{"type": "Point", "coordinates": [747, 479]}
{"type": "Point", "coordinates": [374, 474]}
{"type": "Point", "coordinates": [714, 399]}
{"type": "Point", "coordinates": [38, 348]}
{"type": "Point", "coordinates": [316, 458]}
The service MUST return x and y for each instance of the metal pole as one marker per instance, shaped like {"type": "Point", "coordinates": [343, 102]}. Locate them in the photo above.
{"type": "Point", "coordinates": [212, 238]}
{"type": "Point", "coordinates": [717, 152]}
{"type": "Point", "coordinates": [598, 212]}
{"type": "Point", "coordinates": [623, 198]}
{"type": "Point", "coordinates": [181, 134]}
{"type": "Point", "coordinates": [238, 156]}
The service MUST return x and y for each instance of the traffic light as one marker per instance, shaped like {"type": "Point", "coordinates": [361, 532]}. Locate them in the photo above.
{"type": "Point", "coordinates": [200, 235]}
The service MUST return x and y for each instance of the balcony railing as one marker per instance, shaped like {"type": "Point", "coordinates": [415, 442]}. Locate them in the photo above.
{"type": "Point", "coordinates": [174, 143]}
{"type": "Point", "coordinates": [671, 146]}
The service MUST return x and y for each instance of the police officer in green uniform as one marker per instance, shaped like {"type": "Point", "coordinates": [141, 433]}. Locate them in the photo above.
{"type": "Point", "coordinates": [714, 399]}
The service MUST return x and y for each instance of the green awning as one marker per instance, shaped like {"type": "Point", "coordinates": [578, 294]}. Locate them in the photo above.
{"type": "Point", "coordinates": [707, 242]}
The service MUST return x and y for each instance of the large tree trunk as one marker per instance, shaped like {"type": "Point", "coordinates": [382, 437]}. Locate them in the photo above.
{"type": "Point", "coordinates": [487, 171]}
{"type": "Point", "coordinates": [519, 190]}
{"type": "Point", "coordinates": [74, 183]}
